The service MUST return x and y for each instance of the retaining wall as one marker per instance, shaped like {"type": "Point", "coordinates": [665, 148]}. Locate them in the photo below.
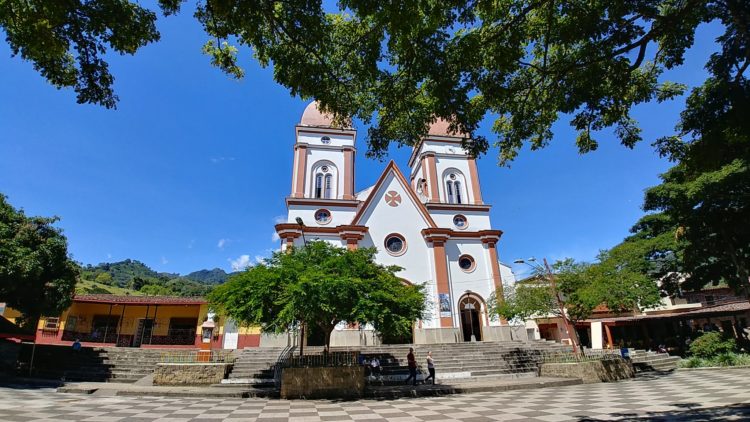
{"type": "Point", "coordinates": [323, 383]}
{"type": "Point", "coordinates": [590, 372]}
{"type": "Point", "coordinates": [190, 373]}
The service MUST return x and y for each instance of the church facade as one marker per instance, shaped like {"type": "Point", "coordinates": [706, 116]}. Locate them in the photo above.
{"type": "Point", "coordinates": [431, 220]}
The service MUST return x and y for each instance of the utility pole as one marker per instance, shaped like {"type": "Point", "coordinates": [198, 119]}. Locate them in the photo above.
{"type": "Point", "coordinates": [568, 326]}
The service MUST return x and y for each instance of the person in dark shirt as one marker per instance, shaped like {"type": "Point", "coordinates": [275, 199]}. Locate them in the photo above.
{"type": "Point", "coordinates": [412, 363]}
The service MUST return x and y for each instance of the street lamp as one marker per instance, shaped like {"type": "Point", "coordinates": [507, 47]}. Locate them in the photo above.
{"type": "Point", "coordinates": [551, 278]}
{"type": "Point", "coordinates": [302, 326]}
{"type": "Point", "coordinates": [302, 228]}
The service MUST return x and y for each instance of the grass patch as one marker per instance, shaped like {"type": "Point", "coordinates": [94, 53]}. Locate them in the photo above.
{"type": "Point", "coordinates": [92, 287]}
{"type": "Point", "coordinates": [722, 360]}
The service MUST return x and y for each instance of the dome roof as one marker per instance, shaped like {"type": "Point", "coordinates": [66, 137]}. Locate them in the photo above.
{"type": "Point", "coordinates": [441, 128]}
{"type": "Point", "coordinates": [312, 116]}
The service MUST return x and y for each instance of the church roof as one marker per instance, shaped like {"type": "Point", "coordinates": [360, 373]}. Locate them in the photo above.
{"type": "Point", "coordinates": [312, 116]}
{"type": "Point", "coordinates": [441, 127]}
{"type": "Point", "coordinates": [373, 190]}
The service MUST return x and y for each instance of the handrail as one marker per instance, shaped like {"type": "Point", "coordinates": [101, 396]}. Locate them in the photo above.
{"type": "Point", "coordinates": [278, 368]}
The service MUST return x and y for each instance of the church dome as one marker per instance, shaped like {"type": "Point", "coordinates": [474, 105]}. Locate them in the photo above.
{"type": "Point", "coordinates": [441, 128]}
{"type": "Point", "coordinates": [314, 117]}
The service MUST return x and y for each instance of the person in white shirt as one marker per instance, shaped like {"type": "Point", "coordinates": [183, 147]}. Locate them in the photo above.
{"type": "Point", "coordinates": [430, 368]}
{"type": "Point", "coordinates": [375, 367]}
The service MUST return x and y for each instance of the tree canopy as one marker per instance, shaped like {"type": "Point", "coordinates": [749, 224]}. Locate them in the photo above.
{"type": "Point", "coordinates": [399, 65]}
{"type": "Point", "coordinates": [321, 285]}
{"type": "Point", "coordinates": [614, 281]}
{"type": "Point", "coordinates": [36, 275]}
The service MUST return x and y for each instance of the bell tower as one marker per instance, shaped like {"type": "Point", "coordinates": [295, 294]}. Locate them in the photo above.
{"type": "Point", "coordinates": [441, 170]}
{"type": "Point", "coordinates": [323, 158]}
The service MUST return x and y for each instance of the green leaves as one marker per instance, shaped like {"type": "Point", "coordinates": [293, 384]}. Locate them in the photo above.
{"type": "Point", "coordinates": [320, 285]}
{"type": "Point", "coordinates": [65, 40]}
{"type": "Point", "coordinates": [36, 275]}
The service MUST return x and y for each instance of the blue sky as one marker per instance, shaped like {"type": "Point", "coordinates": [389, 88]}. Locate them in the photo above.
{"type": "Point", "coordinates": [191, 170]}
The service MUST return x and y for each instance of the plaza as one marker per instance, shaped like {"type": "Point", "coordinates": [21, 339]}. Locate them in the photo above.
{"type": "Point", "coordinates": [681, 395]}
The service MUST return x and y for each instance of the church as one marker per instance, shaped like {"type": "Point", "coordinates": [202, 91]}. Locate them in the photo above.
{"type": "Point", "coordinates": [430, 220]}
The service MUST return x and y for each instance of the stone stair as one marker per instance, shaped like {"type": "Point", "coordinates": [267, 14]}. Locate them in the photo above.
{"type": "Point", "coordinates": [111, 364]}
{"type": "Point", "coordinates": [255, 366]}
{"type": "Point", "coordinates": [464, 362]}
{"type": "Point", "coordinates": [647, 360]}
{"type": "Point", "coordinates": [478, 361]}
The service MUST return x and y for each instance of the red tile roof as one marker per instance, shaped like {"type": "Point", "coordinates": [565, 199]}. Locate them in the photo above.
{"type": "Point", "coordinates": [721, 309]}
{"type": "Point", "coordinates": [140, 300]}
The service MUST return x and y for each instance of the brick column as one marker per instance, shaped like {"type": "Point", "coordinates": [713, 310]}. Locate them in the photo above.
{"type": "Point", "coordinates": [438, 237]}
{"type": "Point", "coordinates": [348, 173]}
{"type": "Point", "coordinates": [474, 176]}
{"type": "Point", "coordinates": [430, 169]}
{"type": "Point", "coordinates": [299, 172]}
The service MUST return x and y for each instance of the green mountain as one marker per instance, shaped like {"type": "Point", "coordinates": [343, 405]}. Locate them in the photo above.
{"type": "Point", "coordinates": [134, 277]}
{"type": "Point", "coordinates": [215, 276]}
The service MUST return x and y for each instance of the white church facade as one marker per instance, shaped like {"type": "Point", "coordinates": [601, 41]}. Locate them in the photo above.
{"type": "Point", "coordinates": [430, 220]}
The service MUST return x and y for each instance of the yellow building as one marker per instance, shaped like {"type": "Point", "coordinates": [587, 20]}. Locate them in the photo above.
{"type": "Point", "coordinates": [139, 321]}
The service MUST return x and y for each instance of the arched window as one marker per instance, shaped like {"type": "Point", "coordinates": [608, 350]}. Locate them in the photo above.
{"type": "Point", "coordinates": [454, 187]}
{"type": "Point", "coordinates": [319, 185]}
{"type": "Point", "coordinates": [327, 193]}
{"type": "Point", "coordinates": [324, 180]}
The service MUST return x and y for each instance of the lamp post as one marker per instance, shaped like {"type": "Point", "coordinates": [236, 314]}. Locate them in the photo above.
{"type": "Point", "coordinates": [561, 307]}
{"type": "Point", "coordinates": [302, 326]}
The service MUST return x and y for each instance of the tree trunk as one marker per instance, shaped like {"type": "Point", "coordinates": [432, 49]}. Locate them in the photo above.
{"type": "Point", "coordinates": [328, 329]}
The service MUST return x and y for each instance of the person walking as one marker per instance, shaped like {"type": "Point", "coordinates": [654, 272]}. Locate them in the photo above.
{"type": "Point", "coordinates": [430, 368]}
{"type": "Point", "coordinates": [412, 363]}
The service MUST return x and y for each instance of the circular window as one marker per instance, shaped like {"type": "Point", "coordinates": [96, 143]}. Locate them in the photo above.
{"type": "Point", "coordinates": [466, 262]}
{"type": "Point", "coordinates": [324, 169]}
{"type": "Point", "coordinates": [460, 222]}
{"type": "Point", "coordinates": [325, 140]}
{"type": "Point", "coordinates": [322, 216]}
{"type": "Point", "coordinates": [395, 244]}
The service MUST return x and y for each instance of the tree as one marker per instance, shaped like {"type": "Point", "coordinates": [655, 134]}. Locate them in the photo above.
{"type": "Point", "coordinates": [575, 289]}
{"type": "Point", "coordinates": [320, 285]}
{"type": "Point", "coordinates": [36, 275]}
{"type": "Point", "coordinates": [706, 195]}
{"type": "Point", "coordinates": [104, 278]}
{"type": "Point", "coordinates": [399, 65]}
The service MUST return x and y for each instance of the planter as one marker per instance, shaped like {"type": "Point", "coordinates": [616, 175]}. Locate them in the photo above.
{"type": "Point", "coordinates": [323, 383]}
{"type": "Point", "coordinates": [190, 373]}
{"type": "Point", "coordinates": [591, 371]}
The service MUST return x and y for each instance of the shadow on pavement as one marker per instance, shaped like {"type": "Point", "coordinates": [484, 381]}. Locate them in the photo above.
{"type": "Point", "coordinates": [687, 412]}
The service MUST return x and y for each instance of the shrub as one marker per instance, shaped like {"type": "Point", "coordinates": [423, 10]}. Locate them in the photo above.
{"type": "Point", "coordinates": [712, 344]}
{"type": "Point", "coordinates": [692, 362]}
{"type": "Point", "coordinates": [726, 359]}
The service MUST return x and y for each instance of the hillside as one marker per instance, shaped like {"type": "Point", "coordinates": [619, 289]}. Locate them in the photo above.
{"type": "Point", "coordinates": [136, 278]}
{"type": "Point", "coordinates": [215, 276]}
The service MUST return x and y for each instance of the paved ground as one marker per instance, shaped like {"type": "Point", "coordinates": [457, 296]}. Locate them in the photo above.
{"type": "Point", "coordinates": [684, 396]}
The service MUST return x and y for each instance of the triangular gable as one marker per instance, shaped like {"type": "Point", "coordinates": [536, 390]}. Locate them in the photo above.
{"type": "Point", "coordinates": [369, 203]}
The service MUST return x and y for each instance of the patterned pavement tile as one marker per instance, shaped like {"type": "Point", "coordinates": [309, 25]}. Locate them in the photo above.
{"type": "Point", "coordinates": [683, 396]}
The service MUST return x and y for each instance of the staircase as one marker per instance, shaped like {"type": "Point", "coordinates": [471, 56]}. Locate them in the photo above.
{"type": "Point", "coordinates": [255, 366]}
{"type": "Point", "coordinates": [112, 364]}
{"type": "Point", "coordinates": [644, 361]}
{"type": "Point", "coordinates": [477, 361]}
{"type": "Point", "coordinates": [480, 361]}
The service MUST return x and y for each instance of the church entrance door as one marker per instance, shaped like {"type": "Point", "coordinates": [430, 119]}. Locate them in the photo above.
{"type": "Point", "coordinates": [471, 319]}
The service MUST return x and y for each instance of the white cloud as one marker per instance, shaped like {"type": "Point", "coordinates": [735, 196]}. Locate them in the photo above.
{"type": "Point", "coordinates": [217, 160]}
{"type": "Point", "coordinates": [279, 219]}
{"type": "Point", "coordinates": [191, 244]}
{"type": "Point", "coordinates": [240, 263]}
{"type": "Point", "coordinates": [222, 243]}
{"type": "Point", "coordinates": [109, 256]}
{"type": "Point", "coordinates": [259, 259]}
{"type": "Point", "coordinates": [164, 260]}
{"type": "Point", "coordinates": [275, 237]}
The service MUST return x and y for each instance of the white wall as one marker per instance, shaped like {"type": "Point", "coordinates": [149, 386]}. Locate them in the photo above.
{"type": "Point", "coordinates": [339, 215]}
{"type": "Point", "coordinates": [406, 220]}
{"type": "Point", "coordinates": [478, 220]}
{"type": "Point", "coordinates": [337, 140]}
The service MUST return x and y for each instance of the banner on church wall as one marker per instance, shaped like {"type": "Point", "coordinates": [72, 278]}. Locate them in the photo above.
{"type": "Point", "coordinates": [445, 305]}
